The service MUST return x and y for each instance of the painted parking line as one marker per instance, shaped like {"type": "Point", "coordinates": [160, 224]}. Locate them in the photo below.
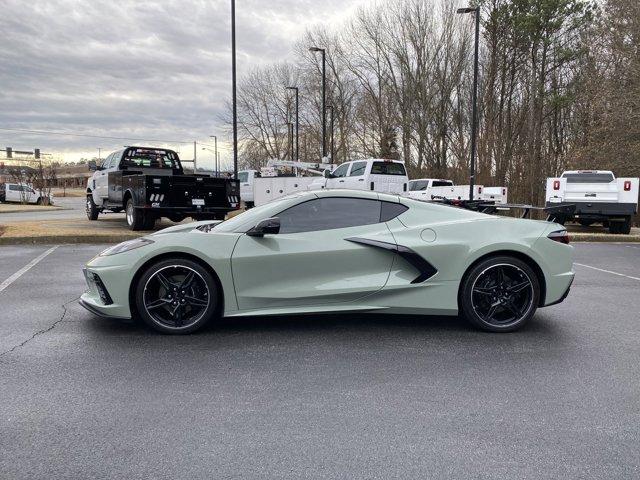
{"type": "Point", "coordinates": [25, 269]}
{"type": "Point", "coordinates": [607, 271]}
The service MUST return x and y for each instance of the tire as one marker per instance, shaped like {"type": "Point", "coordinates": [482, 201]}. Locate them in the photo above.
{"type": "Point", "coordinates": [586, 223]}
{"type": "Point", "coordinates": [134, 216]}
{"type": "Point", "coordinates": [625, 227]}
{"type": "Point", "coordinates": [560, 219]}
{"type": "Point", "coordinates": [177, 218]}
{"type": "Point", "coordinates": [149, 222]}
{"type": "Point", "coordinates": [499, 294]}
{"type": "Point", "coordinates": [92, 209]}
{"type": "Point", "coordinates": [615, 227]}
{"type": "Point", "coordinates": [39, 201]}
{"type": "Point", "coordinates": [164, 306]}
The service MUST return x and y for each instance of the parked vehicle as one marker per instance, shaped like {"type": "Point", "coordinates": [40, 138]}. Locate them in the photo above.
{"type": "Point", "coordinates": [24, 193]}
{"type": "Point", "coordinates": [598, 196]}
{"type": "Point", "coordinates": [257, 188]}
{"type": "Point", "coordinates": [434, 188]}
{"type": "Point", "coordinates": [335, 251]}
{"type": "Point", "coordinates": [149, 183]}
{"type": "Point", "coordinates": [385, 176]}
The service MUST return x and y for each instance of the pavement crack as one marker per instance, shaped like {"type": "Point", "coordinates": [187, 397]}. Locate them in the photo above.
{"type": "Point", "coordinates": [44, 330]}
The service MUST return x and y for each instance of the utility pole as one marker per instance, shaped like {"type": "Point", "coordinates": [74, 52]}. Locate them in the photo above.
{"type": "Point", "coordinates": [474, 100]}
{"type": "Point", "coordinates": [195, 149]}
{"type": "Point", "coordinates": [233, 81]}
{"type": "Point", "coordinates": [215, 155]}
{"type": "Point", "coordinates": [331, 148]}
{"type": "Point", "coordinates": [99, 149]}
{"type": "Point", "coordinates": [324, 98]}
{"type": "Point", "coordinates": [297, 122]}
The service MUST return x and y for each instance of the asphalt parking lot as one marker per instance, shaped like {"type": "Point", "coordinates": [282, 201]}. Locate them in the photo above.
{"type": "Point", "coordinates": [347, 396]}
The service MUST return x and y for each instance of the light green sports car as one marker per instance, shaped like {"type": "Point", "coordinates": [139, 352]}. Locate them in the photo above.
{"type": "Point", "coordinates": [336, 251]}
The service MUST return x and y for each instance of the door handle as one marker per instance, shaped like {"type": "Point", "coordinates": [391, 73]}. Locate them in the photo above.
{"type": "Point", "coordinates": [341, 181]}
{"type": "Point", "coordinates": [361, 180]}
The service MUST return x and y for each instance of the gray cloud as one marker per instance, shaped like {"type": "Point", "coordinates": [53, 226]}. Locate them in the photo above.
{"type": "Point", "coordinates": [135, 68]}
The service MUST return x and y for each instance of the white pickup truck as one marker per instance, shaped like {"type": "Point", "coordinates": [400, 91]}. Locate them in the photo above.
{"type": "Point", "coordinates": [430, 188]}
{"type": "Point", "coordinates": [388, 176]}
{"type": "Point", "coordinates": [598, 197]}
{"type": "Point", "coordinates": [24, 193]}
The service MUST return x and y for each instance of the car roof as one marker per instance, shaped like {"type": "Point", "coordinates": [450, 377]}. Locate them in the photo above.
{"type": "Point", "coordinates": [355, 194]}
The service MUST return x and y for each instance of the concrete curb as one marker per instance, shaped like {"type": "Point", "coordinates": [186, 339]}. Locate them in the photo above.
{"type": "Point", "coordinates": [117, 238]}
{"type": "Point", "coordinates": [65, 239]}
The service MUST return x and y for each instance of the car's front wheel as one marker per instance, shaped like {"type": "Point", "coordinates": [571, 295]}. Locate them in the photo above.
{"type": "Point", "coordinates": [176, 296]}
{"type": "Point", "coordinates": [500, 294]}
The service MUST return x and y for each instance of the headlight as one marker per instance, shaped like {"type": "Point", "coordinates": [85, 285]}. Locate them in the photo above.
{"type": "Point", "coordinates": [126, 246]}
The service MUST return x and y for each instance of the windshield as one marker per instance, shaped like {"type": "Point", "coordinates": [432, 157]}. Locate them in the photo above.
{"type": "Point", "coordinates": [387, 168]}
{"type": "Point", "coordinates": [150, 158]}
{"type": "Point", "coordinates": [588, 177]}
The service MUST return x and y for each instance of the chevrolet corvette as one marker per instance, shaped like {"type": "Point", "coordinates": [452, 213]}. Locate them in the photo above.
{"type": "Point", "coordinates": [336, 251]}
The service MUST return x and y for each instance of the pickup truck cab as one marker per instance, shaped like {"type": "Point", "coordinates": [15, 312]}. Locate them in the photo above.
{"type": "Point", "coordinates": [149, 183]}
{"type": "Point", "coordinates": [598, 197]}
{"type": "Point", "coordinates": [24, 193]}
{"type": "Point", "coordinates": [378, 175]}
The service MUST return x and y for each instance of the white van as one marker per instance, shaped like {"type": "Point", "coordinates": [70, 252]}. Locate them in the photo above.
{"type": "Point", "coordinates": [385, 176]}
{"type": "Point", "coordinates": [24, 193]}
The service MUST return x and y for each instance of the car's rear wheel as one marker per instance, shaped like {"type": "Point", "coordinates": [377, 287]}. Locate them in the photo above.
{"type": "Point", "coordinates": [176, 296]}
{"type": "Point", "coordinates": [500, 294]}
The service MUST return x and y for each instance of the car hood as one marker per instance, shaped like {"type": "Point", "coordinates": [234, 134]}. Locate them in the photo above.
{"type": "Point", "coordinates": [185, 227]}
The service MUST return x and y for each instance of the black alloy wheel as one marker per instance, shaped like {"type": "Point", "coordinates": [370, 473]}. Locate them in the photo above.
{"type": "Point", "coordinates": [176, 296]}
{"type": "Point", "coordinates": [500, 294]}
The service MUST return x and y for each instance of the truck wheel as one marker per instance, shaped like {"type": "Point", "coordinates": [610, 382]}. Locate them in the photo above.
{"type": "Point", "coordinates": [614, 227]}
{"type": "Point", "coordinates": [149, 222]}
{"type": "Point", "coordinates": [586, 223]}
{"type": "Point", "coordinates": [135, 217]}
{"type": "Point", "coordinates": [625, 227]}
{"type": "Point", "coordinates": [92, 209]}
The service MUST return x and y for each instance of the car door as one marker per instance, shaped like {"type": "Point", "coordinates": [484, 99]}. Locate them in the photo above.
{"type": "Point", "coordinates": [355, 178]}
{"type": "Point", "coordinates": [314, 260]}
{"type": "Point", "coordinates": [338, 176]}
{"type": "Point", "coordinates": [102, 178]}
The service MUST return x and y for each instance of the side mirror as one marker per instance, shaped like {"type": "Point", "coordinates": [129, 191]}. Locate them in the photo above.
{"type": "Point", "coordinates": [92, 165]}
{"type": "Point", "coordinates": [269, 225]}
{"type": "Point", "coordinates": [327, 174]}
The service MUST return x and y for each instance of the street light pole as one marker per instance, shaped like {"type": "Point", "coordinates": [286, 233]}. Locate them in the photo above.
{"type": "Point", "coordinates": [233, 81]}
{"type": "Point", "coordinates": [474, 100]}
{"type": "Point", "coordinates": [215, 155]}
{"type": "Point", "coordinates": [324, 98]}
{"type": "Point", "coordinates": [297, 122]}
{"type": "Point", "coordinates": [331, 133]}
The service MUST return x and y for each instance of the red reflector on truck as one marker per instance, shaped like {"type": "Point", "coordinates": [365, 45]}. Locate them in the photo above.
{"type": "Point", "coordinates": [627, 186]}
{"type": "Point", "coordinates": [556, 184]}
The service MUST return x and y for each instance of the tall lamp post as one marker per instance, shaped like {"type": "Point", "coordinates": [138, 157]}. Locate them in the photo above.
{"type": "Point", "coordinates": [331, 149]}
{"type": "Point", "coordinates": [297, 122]}
{"type": "Point", "coordinates": [234, 94]}
{"type": "Point", "coordinates": [474, 115]}
{"type": "Point", "coordinates": [324, 98]}
{"type": "Point", "coordinates": [215, 155]}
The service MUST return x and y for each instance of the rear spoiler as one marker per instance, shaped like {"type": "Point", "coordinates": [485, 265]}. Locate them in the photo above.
{"type": "Point", "coordinates": [490, 207]}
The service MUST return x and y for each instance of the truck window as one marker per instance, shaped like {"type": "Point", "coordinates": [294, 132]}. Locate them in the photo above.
{"type": "Point", "coordinates": [243, 177]}
{"type": "Point", "coordinates": [442, 183]}
{"type": "Point", "coordinates": [150, 158]}
{"type": "Point", "coordinates": [418, 185]}
{"type": "Point", "coordinates": [341, 171]}
{"type": "Point", "coordinates": [387, 168]}
{"type": "Point", "coordinates": [588, 177]}
{"type": "Point", "coordinates": [357, 169]}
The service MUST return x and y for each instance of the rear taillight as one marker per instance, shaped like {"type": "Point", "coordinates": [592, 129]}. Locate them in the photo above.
{"type": "Point", "coordinates": [627, 186]}
{"type": "Point", "coordinates": [479, 189]}
{"type": "Point", "coordinates": [504, 191]}
{"type": "Point", "coordinates": [404, 187]}
{"type": "Point", "coordinates": [371, 186]}
{"type": "Point", "coordinates": [556, 184]}
{"type": "Point", "coordinates": [561, 236]}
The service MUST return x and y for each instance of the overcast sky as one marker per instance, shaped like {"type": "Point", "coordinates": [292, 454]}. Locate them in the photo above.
{"type": "Point", "coordinates": [133, 68]}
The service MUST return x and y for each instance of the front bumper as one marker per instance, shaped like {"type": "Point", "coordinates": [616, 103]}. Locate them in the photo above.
{"type": "Point", "coordinates": [107, 294]}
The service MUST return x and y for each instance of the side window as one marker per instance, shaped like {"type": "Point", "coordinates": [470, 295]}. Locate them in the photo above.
{"type": "Point", "coordinates": [357, 169]}
{"type": "Point", "coordinates": [341, 171]}
{"type": "Point", "coordinates": [14, 188]}
{"type": "Point", "coordinates": [107, 161]}
{"type": "Point", "coordinates": [329, 213]}
{"type": "Point", "coordinates": [391, 210]}
{"type": "Point", "coordinates": [243, 177]}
